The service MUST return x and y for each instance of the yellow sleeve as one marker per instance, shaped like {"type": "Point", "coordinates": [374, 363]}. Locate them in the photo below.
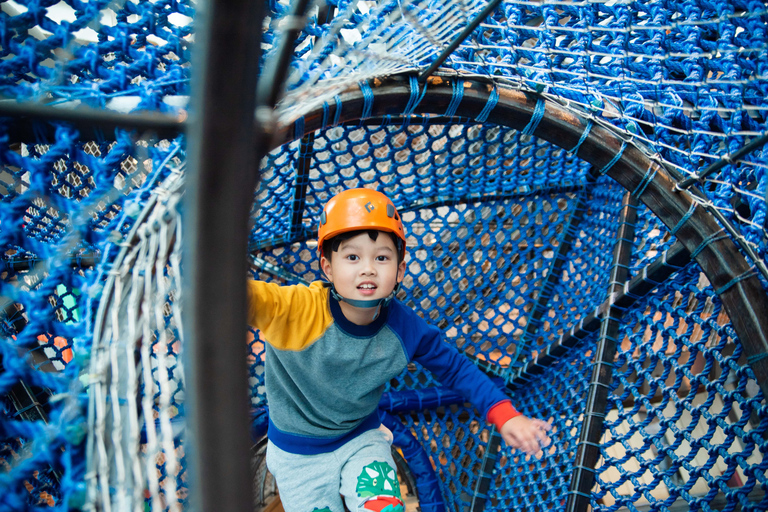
{"type": "Point", "coordinates": [291, 317]}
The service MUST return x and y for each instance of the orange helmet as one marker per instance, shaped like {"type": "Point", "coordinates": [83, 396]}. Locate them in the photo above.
{"type": "Point", "coordinates": [359, 209]}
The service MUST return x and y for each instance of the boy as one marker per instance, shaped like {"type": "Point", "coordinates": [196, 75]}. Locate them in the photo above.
{"type": "Point", "coordinates": [331, 349]}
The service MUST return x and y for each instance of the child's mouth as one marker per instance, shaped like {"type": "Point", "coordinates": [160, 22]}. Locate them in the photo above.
{"type": "Point", "coordinates": [367, 289]}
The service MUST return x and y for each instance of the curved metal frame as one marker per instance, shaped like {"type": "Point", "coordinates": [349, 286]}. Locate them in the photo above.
{"type": "Point", "coordinates": [697, 229]}
{"type": "Point", "coordinates": [738, 286]}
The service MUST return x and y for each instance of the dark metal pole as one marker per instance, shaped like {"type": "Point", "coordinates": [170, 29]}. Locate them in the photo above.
{"type": "Point", "coordinates": [306, 151]}
{"type": "Point", "coordinates": [588, 449]}
{"type": "Point", "coordinates": [276, 68]}
{"type": "Point", "coordinates": [487, 10]}
{"type": "Point", "coordinates": [84, 260]}
{"type": "Point", "coordinates": [728, 159]}
{"type": "Point", "coordinates": [221, 182]}
{"type": "Point", "coordinates": [735, 234]}
{"type": "Point", "coordinates": [555, 271]}
{"type": "Point", "coordinates": [433, 202]}
{"type": "Point", "coordinates": [521, 193]}
{"type": "Point", "coordinates": [90, 122]}
{"type": "Point", "coordinates": [648, 278]}
{"type": "Point", "coordinates": [269, 94]}
{"type": "Point", "coordinates": [480, 495]}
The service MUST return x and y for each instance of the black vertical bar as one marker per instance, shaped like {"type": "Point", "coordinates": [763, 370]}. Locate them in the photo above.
{"type": "Point", "coordinates": [480, 496]}
{"type": "Point", "coordinates": [588, 449]}
{"type": "Point", "coordinates": [306, 150]}
{"type": "Point", "coordinates": [269, 95]}
{"type": "Point", "coordinates": [276, 68]}
{"type": "Point", "coordinates": [222, 176]}
{"type": "Point", "coordinates": [555, 270]}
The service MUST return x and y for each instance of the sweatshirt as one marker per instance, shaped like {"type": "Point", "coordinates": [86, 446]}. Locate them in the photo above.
{"type": "Point", "coordinates": [325, 375]}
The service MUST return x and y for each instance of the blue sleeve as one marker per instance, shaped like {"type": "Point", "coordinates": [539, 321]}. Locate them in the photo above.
{"type": "Point", "coordinates": [424, 344]}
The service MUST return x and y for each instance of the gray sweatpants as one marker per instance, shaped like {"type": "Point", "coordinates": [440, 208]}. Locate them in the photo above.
{"type": "Point", "coordinates": [362, 472]}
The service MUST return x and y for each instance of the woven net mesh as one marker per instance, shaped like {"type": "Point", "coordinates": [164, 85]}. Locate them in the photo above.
{"type": "Point", "coordinates": [510, 241]}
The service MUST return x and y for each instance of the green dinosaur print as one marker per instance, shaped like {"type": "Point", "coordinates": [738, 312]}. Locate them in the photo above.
{"type": "Point", "coordinates": [378, 479]}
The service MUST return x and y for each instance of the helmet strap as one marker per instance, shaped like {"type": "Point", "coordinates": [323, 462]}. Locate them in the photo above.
{"type": "Point", "coordinates": [372, 303]}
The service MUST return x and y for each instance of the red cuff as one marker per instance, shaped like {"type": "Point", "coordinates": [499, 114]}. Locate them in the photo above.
{"type": "Point", "coordinates": [502, 412]}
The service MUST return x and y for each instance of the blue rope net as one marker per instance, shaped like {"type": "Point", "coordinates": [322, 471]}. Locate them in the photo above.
{"type": "Point", "coordinates": [686, 420]}
{"type": "Point", "coordinates": [457, 273]}
{"type": "Point", "coordinates": [488, 209]}
{"type": "Point", "coordinates": [585, 279]}
{"type": "Point", "coordinates": [55, 239]}
{"type": "Point", "coordinates": [454, 436]}
{"type": "Point", "coordinates": [684, 79]}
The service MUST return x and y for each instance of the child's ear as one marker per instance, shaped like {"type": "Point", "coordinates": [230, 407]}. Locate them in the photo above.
{"type": "Point", "coordinates": [401, 271]}
{"type": "Point", "coordinates": [325, 266]}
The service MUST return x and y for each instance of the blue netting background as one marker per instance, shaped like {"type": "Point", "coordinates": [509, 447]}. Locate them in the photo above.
{"type": "Point", "coordinates": [686, 422]}
{"type": "Point", "coordinates": [486, 208]}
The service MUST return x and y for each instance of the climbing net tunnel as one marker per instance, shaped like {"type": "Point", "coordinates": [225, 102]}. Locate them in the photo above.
{"type": "Point", "coordinates": [584, 191]}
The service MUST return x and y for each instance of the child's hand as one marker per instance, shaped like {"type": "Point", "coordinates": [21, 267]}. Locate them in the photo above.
{"type": "Point", "coordinates": [526, 434]}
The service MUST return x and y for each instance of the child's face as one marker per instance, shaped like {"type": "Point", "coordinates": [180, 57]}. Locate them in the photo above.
{"type": "Point", "coordinates": [365, 269]}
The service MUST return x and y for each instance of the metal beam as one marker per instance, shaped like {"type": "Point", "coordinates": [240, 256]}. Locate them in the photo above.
{"type": "Point", "coordinates": [222, 174]}
{"type": "Point", "coordinates": [491, 454]}
{"type": "Point", "coordinates": [411, 119]}
{"type": "Point", "coordinates": [83, 260]}
{"type": "Point", "coordinates": [727, 159]}
{"type": "Point", "coordinates": [306, 152]}
{"type": "Point", "coordinates": [607, 150]}
{"type": "Point", "coordinates": [588, 449]}
{"type": "Point", "coordinates": [272, 80]}
{"type": "Point", "coordinates": [555, 271]}
{"type": "Point", "coordinates": [519, 194]}
{"type": "Point", "coordinates": [463, 35]}
{"type": "Point", "coordinates": [648, 278]}
{"type": "Point", "coordinates": [31, 121]}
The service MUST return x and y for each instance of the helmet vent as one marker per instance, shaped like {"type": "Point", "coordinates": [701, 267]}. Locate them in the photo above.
{"type": "Point", "coordinates": [391, 211]}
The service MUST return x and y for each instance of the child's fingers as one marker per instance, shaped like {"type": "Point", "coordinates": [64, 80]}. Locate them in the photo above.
{"type": "Point", "coordinates": [520, 442]}
{"type": "Point", "coordinates": [540, 429]}
{"type": "Point", "coordinates": [532, 442]}
{"type": "Point", "coordinates": [529, 448]}
{"type": "Point", "coordinates": [531, 438]}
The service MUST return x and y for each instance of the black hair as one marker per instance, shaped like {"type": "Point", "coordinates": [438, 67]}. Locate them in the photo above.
{"type": "Point", "coordinates": [332, 244]}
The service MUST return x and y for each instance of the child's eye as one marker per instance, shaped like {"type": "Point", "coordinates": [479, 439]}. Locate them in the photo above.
{"type": "Point", "coordinates": [352, 257]}
{"type": "Point", "coordinates": [382, 258]}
